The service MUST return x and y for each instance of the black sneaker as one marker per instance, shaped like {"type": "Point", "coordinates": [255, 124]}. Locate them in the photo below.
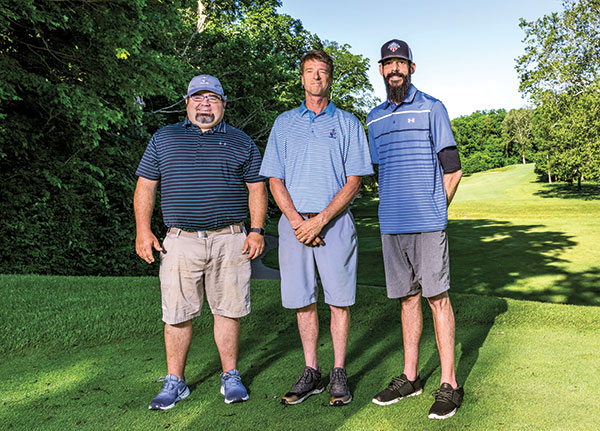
{"type": "Point", "coordinates": [338, 388]}
{"type": "Point", "coordinates": [399, 388]}
{"type": "Point", "coordinates": [309, 383]}
{"type": "Point", "coordinates": [447, 402]}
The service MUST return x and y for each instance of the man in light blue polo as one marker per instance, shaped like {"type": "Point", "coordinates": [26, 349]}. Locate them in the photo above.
{"type": "Point", "coordinates": [315, 158]}
{"type": "Point", "coordinates": [419, 170]}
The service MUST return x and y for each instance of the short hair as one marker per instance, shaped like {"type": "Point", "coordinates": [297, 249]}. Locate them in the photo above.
{"type": "Point", "coordinates": [319, 55]}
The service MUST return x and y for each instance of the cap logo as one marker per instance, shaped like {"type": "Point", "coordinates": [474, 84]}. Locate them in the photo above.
{"type": "Point", "coordinates": [393, 46]}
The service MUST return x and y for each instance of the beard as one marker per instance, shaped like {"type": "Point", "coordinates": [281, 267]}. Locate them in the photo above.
{"type": "Point", "coordinates": [397, 93]}
{"type": "Point", "coordinates": [205, 118]}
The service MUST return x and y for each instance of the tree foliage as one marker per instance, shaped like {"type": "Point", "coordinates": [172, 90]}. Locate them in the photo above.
{"type": "Point", "coordinates": [84, 84]}
{"type": "Point", "coordinates": [516, 129]}
{"type": "Point", "coordinates": [480, 141]}
{"type": "Point", "coordinates": [560, 70]}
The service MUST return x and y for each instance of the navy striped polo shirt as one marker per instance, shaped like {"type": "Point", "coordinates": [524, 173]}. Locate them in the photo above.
{"type": "Point", "coordinates": [202, 174]}
{"type": "Point", "coordinates": [405, 139]}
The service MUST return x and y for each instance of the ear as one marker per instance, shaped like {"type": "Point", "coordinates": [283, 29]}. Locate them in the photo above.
{"type": "Point", "coordinates": [381, 69]}
{"type": "Point", "coordinates": [413, 67]}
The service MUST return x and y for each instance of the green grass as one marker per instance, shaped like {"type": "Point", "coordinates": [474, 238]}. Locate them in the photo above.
{"type": "Point", "coordinates": [525, 365]}
{"type": "Point", "coordinates": [83, 353]}
{"type": "Point", "coordinates": [511, 236]}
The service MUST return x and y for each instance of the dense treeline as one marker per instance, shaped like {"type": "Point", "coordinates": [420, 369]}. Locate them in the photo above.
{"type": "Point", "coordinates": [560, 71]}
{"type": "Point", "coordinates": [83, 85]}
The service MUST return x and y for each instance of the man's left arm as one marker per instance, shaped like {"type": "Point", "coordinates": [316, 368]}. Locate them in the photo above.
{"type": "Point", "coordinates": [257, 203]}
{"type": "Point", "coordinates": [451, 181]}
{"type": "Point", "coordinates": [311, 228]}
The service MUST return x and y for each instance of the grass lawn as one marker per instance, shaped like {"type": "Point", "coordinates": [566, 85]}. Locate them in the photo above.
{"type": "Point", "coordinates": [72, 362]}
{"type": "Point", "coordinates": [510, 236]}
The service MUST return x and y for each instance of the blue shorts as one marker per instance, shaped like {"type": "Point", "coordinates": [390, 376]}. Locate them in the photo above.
{"type": "Point", "coordinates": [335, 261]}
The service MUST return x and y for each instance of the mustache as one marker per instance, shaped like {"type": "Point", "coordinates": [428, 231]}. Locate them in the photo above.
{"type": "Point", "coordinates": [399, 74]}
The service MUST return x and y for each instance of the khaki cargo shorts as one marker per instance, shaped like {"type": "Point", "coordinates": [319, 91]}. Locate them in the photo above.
{"type": "Point", "coordinates": [211, 263]}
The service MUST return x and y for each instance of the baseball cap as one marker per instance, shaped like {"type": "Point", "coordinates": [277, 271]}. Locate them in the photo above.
{"type": "Point", "coordinates": [205, 83]}
{"type": "Point", "coordinates": [396, 49]}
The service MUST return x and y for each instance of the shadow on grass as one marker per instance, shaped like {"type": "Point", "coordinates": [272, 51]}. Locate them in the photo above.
{"type": "Point", "coordinates": [588, 192]}
{"type": "Point", "coordinates": [491, 257]}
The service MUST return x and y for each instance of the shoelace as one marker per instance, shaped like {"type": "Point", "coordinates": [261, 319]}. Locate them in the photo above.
{"type": "Point", "coordinates": [338, 379]}
{"type": "Point", "coordinates": [169, 384]}
{"type": "Point", "coordinates": [306, 377]}
{"type": "Point", "coordinates": [229, 378]}
{"type": "Point", "coordinates": [397, 383]}
{"type": "Point", "coordinates": [440, 395]}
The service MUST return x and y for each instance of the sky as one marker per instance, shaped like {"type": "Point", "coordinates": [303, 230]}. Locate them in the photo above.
{"type": "Point", "coordinates": [464, 50]}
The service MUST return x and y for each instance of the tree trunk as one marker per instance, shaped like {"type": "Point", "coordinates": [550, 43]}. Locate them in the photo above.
{"type": "Point", "coordinates": [579, 182]}
{"type": "Point", "coordinates": [524, 158]}
{"type": "Point", "coordinates": [548, 165]}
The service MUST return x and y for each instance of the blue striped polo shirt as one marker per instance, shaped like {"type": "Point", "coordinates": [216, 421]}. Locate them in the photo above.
{"type": "Point", "coordinates": [404, 140]}
{"type": "Point", "coordinates": [202, 174]}
{"type": "Point", "coordinates": [315, 153]}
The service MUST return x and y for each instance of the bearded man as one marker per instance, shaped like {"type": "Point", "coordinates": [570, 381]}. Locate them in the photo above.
{"type": "Point", "coordinates": [411, 139]}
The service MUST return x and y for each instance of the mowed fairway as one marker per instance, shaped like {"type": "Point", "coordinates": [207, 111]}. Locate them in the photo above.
{"type": "Point", "coordinates": [513, 236]}
{"type": "Point", "coordinates": [83, 353]}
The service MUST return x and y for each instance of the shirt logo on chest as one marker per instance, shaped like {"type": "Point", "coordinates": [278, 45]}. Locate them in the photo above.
{"type": "Point", "coordinates": [411, 120]}
{"type": "Point", "coordinates": [332, 134]}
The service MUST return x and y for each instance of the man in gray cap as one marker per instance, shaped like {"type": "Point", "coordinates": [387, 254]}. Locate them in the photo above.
{"type": "Point", "coordinates": [411, 139]}
{"type": "Point", "coordinates": [205, 167]}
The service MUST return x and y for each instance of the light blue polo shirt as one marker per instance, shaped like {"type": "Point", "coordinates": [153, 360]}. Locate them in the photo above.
{"type": "Point", "coordinates": [315, 153]}
{"type": "Point", "coordinates": [405, 140]}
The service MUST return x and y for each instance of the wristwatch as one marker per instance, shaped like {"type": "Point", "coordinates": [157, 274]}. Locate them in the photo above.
{"type": "Point", "coordinates": [258, 230]}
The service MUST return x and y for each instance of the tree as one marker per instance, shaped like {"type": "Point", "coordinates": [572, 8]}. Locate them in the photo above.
{"type": "Point", "coordinates": [516, 129]}
{"type": "Point", "coordinates": [84, 84]}
{"type": "Point", "coordinates": [560, 70]}
{"type": "Point", "coordinates": [480, 142]}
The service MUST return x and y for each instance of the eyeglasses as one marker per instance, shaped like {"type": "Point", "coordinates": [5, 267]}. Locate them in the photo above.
{"type": "Point", "coordinates": [210, 98]}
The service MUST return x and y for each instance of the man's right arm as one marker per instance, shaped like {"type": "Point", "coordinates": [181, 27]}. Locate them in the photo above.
{"type": "Point", "coordinates": [286, 205]}
{"type": "Point", "coordinates": [143, 205]}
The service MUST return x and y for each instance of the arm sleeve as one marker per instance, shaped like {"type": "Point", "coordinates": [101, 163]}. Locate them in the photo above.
{"type": "Point", "coordinates": [272, 163]}
{"type": "Point", "coordinates": [449, 159]}
{"type": "Point", "coordinates": [441, 129]}
{"type": "Point", "coordinates": [358, 162]}
{"type": "Point", "coordinates": [252, 166]}
{"type": "Point", "coordinates": [372, 145]}
{"type": "Point", "coordinates": [149, 166]}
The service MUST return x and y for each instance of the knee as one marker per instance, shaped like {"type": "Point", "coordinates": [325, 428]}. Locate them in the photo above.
{"type": "Point", "coordinates": [439, 302]}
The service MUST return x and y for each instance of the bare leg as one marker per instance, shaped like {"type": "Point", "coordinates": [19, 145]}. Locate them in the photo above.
{"type": "Point", "coordinates": [443, 323]}
{"type": "Point", "coordinates": [340, 324]}
{"type": "Point", "coordinates": [308, 326]}
{"type": "Point", "coordinates": [412, 326]}
{"type": "Point", "coordinates": [227, 335]}
{"type": "Point", "coordinates": [177, 343]}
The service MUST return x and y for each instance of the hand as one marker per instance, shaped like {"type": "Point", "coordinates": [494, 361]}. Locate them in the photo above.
{"type": "Point", "coordinates": [308, 231]}
{"type": "Point", "coordinates": [144, 242]}
{"type": "Point", "coordinates": [254, 245]}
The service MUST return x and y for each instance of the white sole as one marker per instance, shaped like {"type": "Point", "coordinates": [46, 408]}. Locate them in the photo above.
{"type": "Point", "coordinates": [395, 400]}
{"type": "Point", "coordinates": [183, 395]}
{"type": "Point", "coordinates": [449, 415]}
{"type": "Point", "coordinates": [246, 398]}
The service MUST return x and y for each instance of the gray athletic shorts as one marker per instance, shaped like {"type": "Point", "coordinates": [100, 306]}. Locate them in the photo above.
{"type": "Point", "coordinates": [209, 263]}
{"type": "Point", "coordinates": [336, 262]}
{"type": "Point", "coordinates": [416, 262]}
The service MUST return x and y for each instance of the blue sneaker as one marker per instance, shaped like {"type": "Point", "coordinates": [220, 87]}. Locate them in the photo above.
{"type": "Point", "coordinates": [233, 388]}
{"type": "Point", "coordinates": [173, 390]}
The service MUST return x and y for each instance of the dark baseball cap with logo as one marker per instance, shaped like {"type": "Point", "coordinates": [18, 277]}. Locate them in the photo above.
{"type": "Point", "coordinates": [396, 49]}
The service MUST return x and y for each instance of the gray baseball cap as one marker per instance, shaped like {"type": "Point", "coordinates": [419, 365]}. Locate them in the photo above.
{"type": "Point", "coordinates": [205, 83]}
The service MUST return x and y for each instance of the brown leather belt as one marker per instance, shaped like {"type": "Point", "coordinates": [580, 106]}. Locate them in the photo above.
{"type": "Point", "coordinates": [309, 215]}
{"type": "Point", "coordinates": [234, 228]}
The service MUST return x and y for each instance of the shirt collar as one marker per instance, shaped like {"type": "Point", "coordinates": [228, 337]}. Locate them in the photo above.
{"type": "Point", "coordinates": [221, 127]}
{"type": "Point", "coordinates": [410, 97]}
{"type": "Point", "coordinates": [329, 109]}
